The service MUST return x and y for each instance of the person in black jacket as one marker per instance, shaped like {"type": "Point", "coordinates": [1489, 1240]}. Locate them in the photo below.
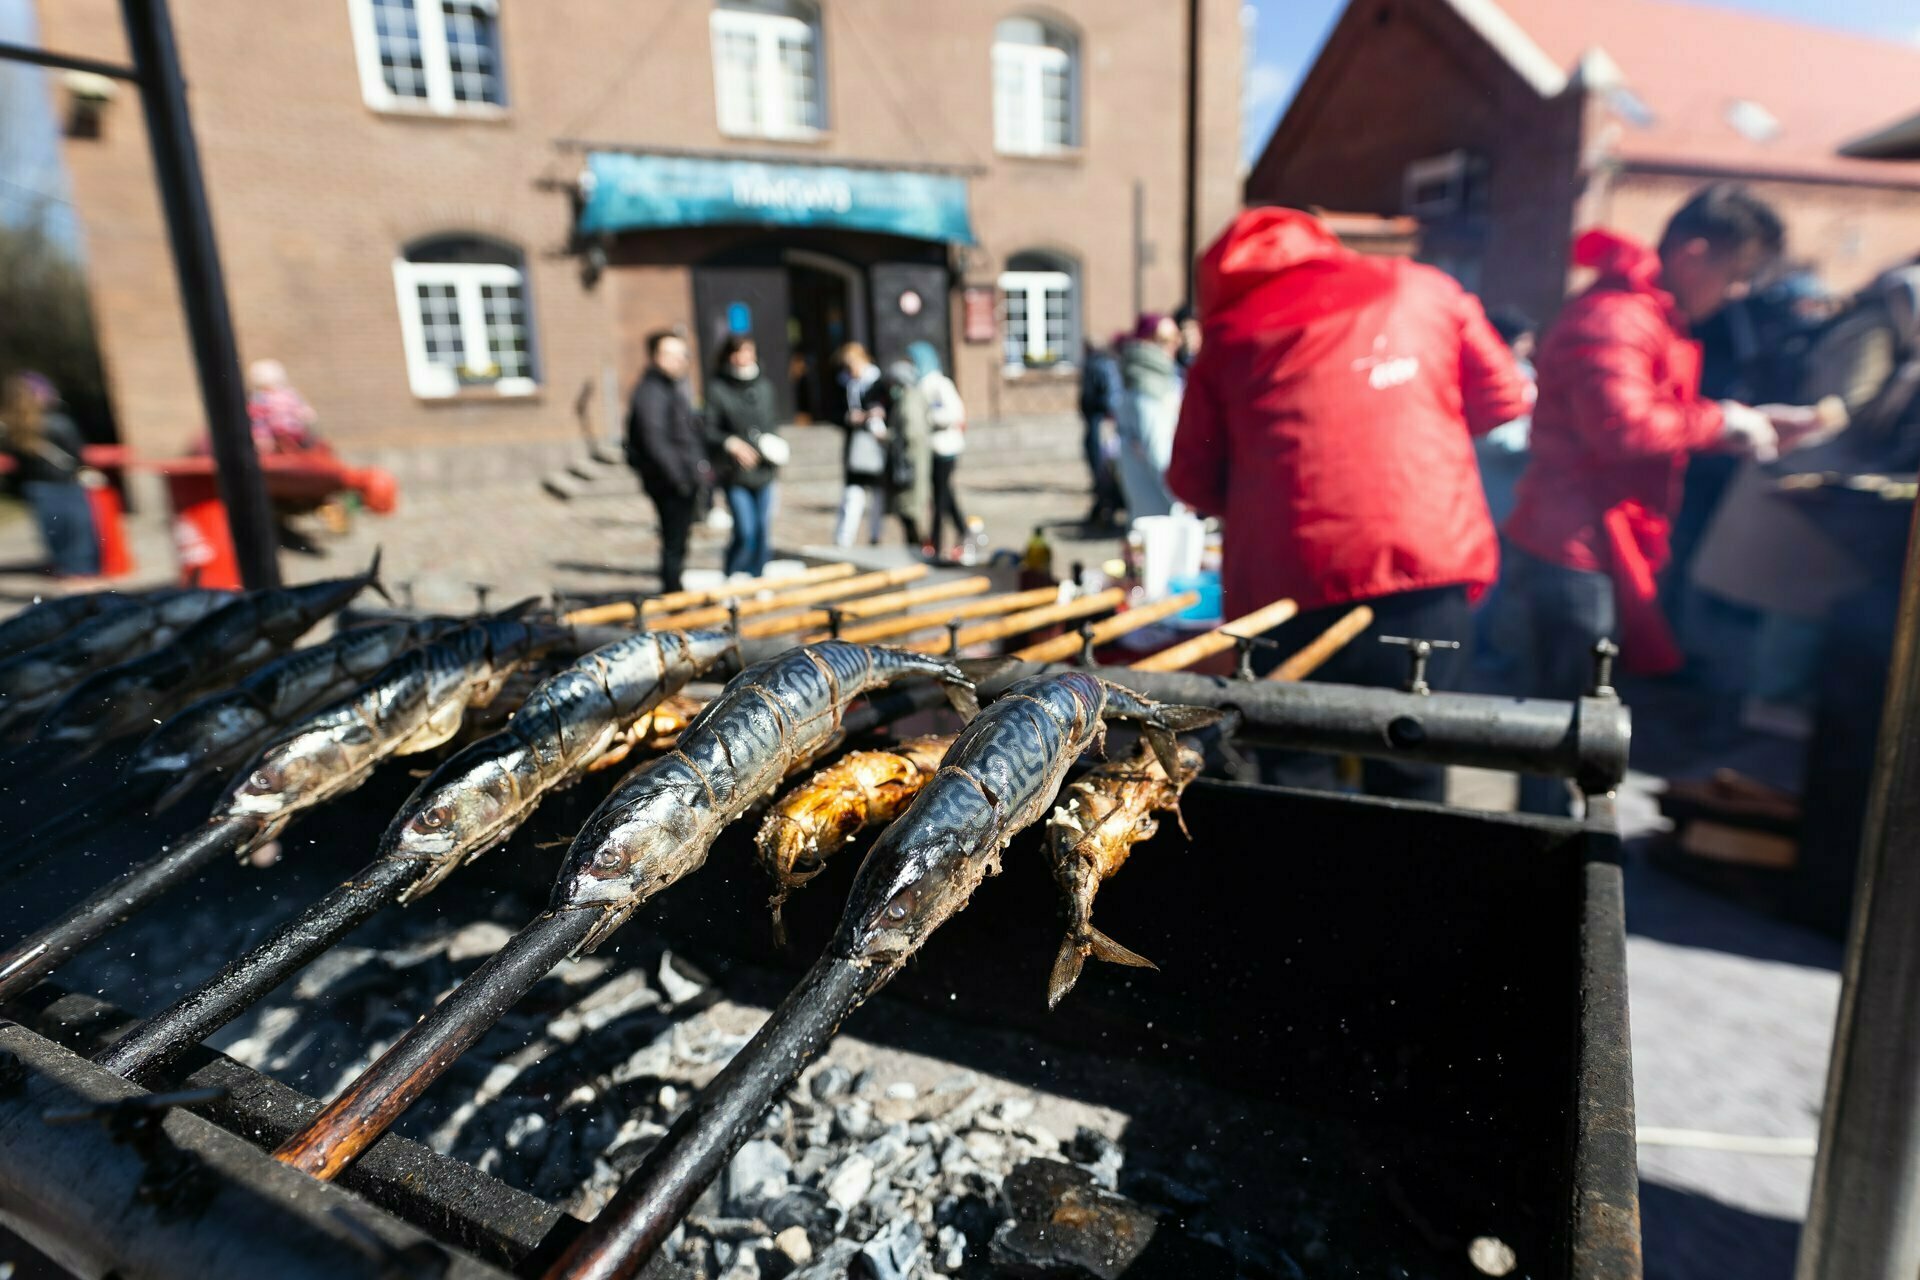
{"type": "Point", "coordinates": [45, 445]}
{"type": "Point", "coordinates": [745, 449]}
{"type": "Point", "coordinates": [667, 445]}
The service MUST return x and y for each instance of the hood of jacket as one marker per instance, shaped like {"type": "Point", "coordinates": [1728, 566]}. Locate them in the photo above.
{"type": "Point", "coordinates": [1260, 244]}
{"type": "Point", "coordinates": [1618, 260]}
{"type": "Point", "coordinates": [1148, 367]}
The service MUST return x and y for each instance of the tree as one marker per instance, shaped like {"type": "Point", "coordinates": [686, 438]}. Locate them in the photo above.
{"type": "Point", "coordinates": [46, 323]}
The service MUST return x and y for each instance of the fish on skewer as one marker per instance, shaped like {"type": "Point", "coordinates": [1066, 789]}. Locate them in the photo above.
{"type": "Point", "coordinates": [231, 641]}
{"type": "Point", "coordinates": [821, 816]}
{"type": "Point", "coordinates": [472, 803]}
{"type": "Point", "coordinates": [414, 704]}
{"type": "Point", "coordinates": [654, 828]}
{"type": "Point", "coordinates": [50, 619]}
{"type": "Point", "coordinates": [1088, 838]}
{"type": "Point", "coordinates": [658, 730]}
{"type": "Point", "coordinates": [33, 681]}
{"type": "Point", "coordinates": [998, 777]}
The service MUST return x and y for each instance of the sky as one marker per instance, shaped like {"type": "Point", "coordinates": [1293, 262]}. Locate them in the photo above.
{"type": "Point", "coordinates": [32, 182]}
{"type": "Point", "coordinates": [1287, 34]}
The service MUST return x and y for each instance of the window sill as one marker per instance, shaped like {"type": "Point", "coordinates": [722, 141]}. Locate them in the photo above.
{"type": "Point", "coordinates": [812, 138]}
{"type": "Point", "coordinates": [1067, 155]}
{"type": "Point", "coordinates": [1064, 369]}
{"type": "Point", "coordinates": [483, 395]}
{"type": "Point", "coordinates": [410, 109]}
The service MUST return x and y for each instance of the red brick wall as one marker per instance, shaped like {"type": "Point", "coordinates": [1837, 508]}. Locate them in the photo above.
{"type": "Point", "coordinates": [314, 193]}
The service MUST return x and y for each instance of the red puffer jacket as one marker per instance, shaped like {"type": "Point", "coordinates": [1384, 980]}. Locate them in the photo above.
{"type": "Point", "coordinates": [1619, 412]}
{"type": "Point", "coordinates": [1328, 418]}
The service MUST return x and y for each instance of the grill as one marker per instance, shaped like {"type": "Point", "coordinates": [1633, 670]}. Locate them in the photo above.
{"type": "Point", "coordinates": [1382, 1034]}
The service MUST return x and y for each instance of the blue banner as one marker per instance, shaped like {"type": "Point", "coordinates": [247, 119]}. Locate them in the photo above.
{"type": "Point", "coordinates": [637, 192]}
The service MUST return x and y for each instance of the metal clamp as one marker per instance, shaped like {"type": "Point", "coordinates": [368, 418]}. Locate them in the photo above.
{"type": "Point", "coordinates": [1604, 652]}
{"type": "Point", "coordinates": [176, 1181]}
{"type": "Point", "coordinates": [953, 637]}
{"type": "Point", "coordinates": [733, 618]}
{"type": "Point", "coordinates": [1245, 645]}
{"type": "Point", "coordinates": [481, 590]}
{"type": "Point", "coordinates": [836, 617]}
{"type": "Point", "coordinates": [13, 1074]}
{"type": "Point", "coordinates": [421, 1260]}
{"type": "Point", "coordinates": [1418, 653]}
{"type": "Point", "coordinates": [1085, 657]}
{"type": "Point", "coordinates": [405, 588]}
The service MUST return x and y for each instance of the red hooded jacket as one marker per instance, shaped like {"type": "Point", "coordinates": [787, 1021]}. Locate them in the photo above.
{"type": "Point", "coordinates": [1619, 412]}
{"type": "Point", "coordinates": [1329, 414]}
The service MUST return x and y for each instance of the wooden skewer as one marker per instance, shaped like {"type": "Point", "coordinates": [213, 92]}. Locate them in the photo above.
{"type": "Point", "coordinates": [1020, 623]}
{"type": "Point", "coordinates": [716, 614]}
{"type": "Point", "coordinates": [872, 606]}
{"type": "Point", "coordinates": [934, 619]}
{"type": "Point", "coordinates": [1218, 640]}
{"type": "Point", "coordinates": [1060, 648]}
{"type": "Point", "coordinates": [1325, 645]}
{"type": "Point", "coordinates": [625, 611]}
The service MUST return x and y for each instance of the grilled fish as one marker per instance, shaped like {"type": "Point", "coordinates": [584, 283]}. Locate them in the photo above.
{"type": "Point", "coordinates": [658, 730]}
{"type": "Point", "coordinates": [479, 798]}
{"type": "Point", "coordinates": [231, 641]}
{"type": "Point", "coordinates": [1089, 836]}
{"type": "Point", "coordinates": [999, 776]}
{"type": "Point", "coordinates": [224, 730]}
{"type": "Point", "coordinates": [50, 619]}
{"type": "Point", "coordinates": [414, 703]}
{"type": "Point", "coordinates": [821, 816]}
{"type": "Point", "coordinates": [772, 718]}
{"type": "Point", "coordinates": [31, 682]}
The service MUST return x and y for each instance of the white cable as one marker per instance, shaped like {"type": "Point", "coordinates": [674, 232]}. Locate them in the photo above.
{"type": "Point", "coordinates": [1745, 1143]}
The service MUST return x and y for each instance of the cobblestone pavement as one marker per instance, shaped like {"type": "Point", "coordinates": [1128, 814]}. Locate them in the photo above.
{"type": "Point", "coordinates": [1732, 1012]}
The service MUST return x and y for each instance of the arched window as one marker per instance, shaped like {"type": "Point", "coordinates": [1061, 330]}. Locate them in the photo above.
{"type": "Point", "coordinates": [1041, 301]}
{"type": "Point", "coordinates": [428, 55]}
{"type": "Point", "coordinates": [464, 317]}
{"type": "Point", "coordinates": [1036, 87]}
{"type": "Point", "coordinates": [766, 68]}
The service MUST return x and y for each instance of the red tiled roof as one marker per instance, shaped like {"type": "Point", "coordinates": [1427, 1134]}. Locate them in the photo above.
{"type": "Point", "coordinates": [1690, 63]}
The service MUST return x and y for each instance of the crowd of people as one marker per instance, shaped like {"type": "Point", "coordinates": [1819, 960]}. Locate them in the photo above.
{"type": "Point", "coordinates": [1339, 414]}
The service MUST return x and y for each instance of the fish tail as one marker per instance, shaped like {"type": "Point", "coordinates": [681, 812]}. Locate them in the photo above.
{"type": "Point", "coordinates": [1181, 718]}
{"type": "Point", "coordinates": [371, 578]}
{"type": "Point", "coordinates": [1105, 948]}
{"type": "Point", "coordinates": [1165, 748]}
{"type": "Point", "coordinates": [1066, 971]}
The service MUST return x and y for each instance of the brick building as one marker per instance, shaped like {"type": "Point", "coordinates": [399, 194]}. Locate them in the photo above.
{"type": "Point", "coordinates": [455, 220]}
{"type": "Point", "coordinates": [1506, 126]}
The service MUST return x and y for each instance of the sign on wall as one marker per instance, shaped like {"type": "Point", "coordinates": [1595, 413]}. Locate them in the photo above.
{"type": "Point", "coordinates": [625, 192]}
{"type": "Point", "coordinates": [977, 305]}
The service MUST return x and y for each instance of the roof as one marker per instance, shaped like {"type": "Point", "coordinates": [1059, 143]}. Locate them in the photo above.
{"type": "Point", "coordinates": [1712, 89]}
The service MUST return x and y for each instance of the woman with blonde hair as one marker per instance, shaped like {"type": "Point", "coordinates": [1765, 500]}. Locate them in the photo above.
{"type": "Point", "coordinates": [46, 445]}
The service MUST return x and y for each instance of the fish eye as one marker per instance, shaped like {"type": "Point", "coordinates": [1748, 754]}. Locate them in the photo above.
{"type": "Point", "coordinates": [607, 860]}
{"type": "Point", "coordinates": [901, 904]}
{"type": "Point", "coordinates": [436, 817]}
{"type": "Point", "coordinates": [261, 780]}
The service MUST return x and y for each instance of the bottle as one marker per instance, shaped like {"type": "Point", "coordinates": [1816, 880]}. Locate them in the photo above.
{"type": "Point", "coordinates": [973, 547]}
{"type": "Point", "coordinates": [1036, 563]}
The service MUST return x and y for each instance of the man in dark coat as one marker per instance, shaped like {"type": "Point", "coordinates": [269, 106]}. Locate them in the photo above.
{"type": "Point", "coordinates": [666, 446]}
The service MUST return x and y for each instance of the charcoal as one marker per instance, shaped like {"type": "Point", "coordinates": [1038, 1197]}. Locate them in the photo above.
{"type": "Point", "coordinates": [793, 1244]}
{"type": "Point", "coordinates": [854, 1120]}
{"type": "Point", "coordinates": [477, 941]}
{"type": "Point", "coordinates": [528, 1134]}
{"type": "Point", "coordinates": [903, 1090]}
{"type": "Point", "coordinates": [1013, 1110]}
{"type": "Point", "coordinates": [682, 982]}
{"type": "Point", "coordinates": [950, 1249]}
{"type": "Point", "coordinates": [1171, 1192]}
{"type": "Point", "coordinates": [895, 1253]}
{"type": "Point", "coordinates": [830, 1082]}
{"type": "Point", "coordinates": [803, 1209]}
{"type": "Point", "coordinates": [1065, 1226]}
{"type": "Point", "coordinates": [758, 1173]}
{"type": "Point", "coordinates": [848, 1185]}
{"type": "Point", "coordinates": [865, 1081]}
{"type": "Point", "coordinates": [1089, 1146]}
{"type": "Point", "coordinates": [830, 1263]}
{"type": "Point", "coordinates": [919, 1171]}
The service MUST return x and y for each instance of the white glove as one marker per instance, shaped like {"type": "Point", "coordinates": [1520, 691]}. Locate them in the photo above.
{"type": "Point", "coordinates": [1749, 432]}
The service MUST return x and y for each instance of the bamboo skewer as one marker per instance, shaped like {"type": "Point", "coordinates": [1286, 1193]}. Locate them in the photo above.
{"type": "Point", "coordinates": [1218, 640]}
{"type": "Point", "coordinates": [625, 610]}
{"type": "Point", "coordinates": [871, 607]}
{"type": "Point", "coordinates": [934, 619]}
{"type": "Point", "coordinates": [1020, 623]}
{"type": "Point", "coordinates": [1325, 645]}
{"type": "Point", "coordinates": [1061, 648]}
{"type": "Point", "coordinates": [716, 614]}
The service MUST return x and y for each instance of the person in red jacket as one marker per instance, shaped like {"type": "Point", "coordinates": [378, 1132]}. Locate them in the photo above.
{"type": "Point", "coordinates": [1328, 420]}
{"type": "Point", "coordinates": [1619, 412]}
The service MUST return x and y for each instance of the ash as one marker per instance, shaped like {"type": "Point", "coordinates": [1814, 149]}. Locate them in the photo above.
{"type": "Point", "coordinates": [880, 1163]}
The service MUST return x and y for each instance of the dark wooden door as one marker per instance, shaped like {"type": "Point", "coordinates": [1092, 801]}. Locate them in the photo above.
{"type": "Point", "coordinates": [751, 300]}
{"type": "Point", "coordinates": [909, 305]}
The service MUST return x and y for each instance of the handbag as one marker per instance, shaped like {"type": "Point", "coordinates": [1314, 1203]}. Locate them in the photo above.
{"type": "Point", "coordinates": [866, 454]}
{"type": "Point", "coordinates": [773, 447]}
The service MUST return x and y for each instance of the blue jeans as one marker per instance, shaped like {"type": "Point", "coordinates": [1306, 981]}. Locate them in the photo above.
{"type": "Point", "coordinates": [1555, 615]}
{"type": "Point", "coordinates": [66, 526]}
{"type": "Point", "coordinates": [752, 543]}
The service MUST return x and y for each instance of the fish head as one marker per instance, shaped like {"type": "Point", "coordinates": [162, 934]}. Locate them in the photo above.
{"type": "Point", "coordinates": [921, 871]}
{"type": "Point", "coordinates": [302, 769]}
{"type": "Point", "coordinates": [191, 742]}
{"type": "Point", "coordinates": [450, 820]}
{"type": "Point", "coordinates": [628, 853]}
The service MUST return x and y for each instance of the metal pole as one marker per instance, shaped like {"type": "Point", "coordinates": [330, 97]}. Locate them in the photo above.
{"type": "Point", "coordinates": [1862, 1223]}
{"type": "Point", "coordinates": [1190, 215]}
{"type": "Point", "coordinates": [203, 291]}
{"type": "Point", "coordinates": [1139, 247]}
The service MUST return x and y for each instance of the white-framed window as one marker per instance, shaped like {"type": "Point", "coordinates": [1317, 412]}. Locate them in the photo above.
{"type": "Point", "coordinates": [766, 69]}
{"type": "Point", "coordinates": [1036, 88]}
{"type": "Point", "coordinates": [1040, 318]}
{"type": "Point", "coordinates": [429, 55]}
{"type": "Point", "coordinates": [464, 318]}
